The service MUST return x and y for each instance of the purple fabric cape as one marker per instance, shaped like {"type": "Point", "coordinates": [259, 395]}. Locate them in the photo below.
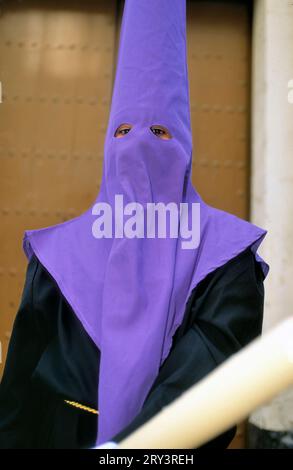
{"type": "Point", "coordinates": [130, 294]}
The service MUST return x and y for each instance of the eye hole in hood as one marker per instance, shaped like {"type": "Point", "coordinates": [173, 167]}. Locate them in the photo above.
{"type": "Point", "coordinates": [161, 132]}
{"type": "Point", "coordinates": [122, 130]}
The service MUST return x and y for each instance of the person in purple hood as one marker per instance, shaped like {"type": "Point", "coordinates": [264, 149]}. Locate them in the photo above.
{"type": "Point", "coordinates": [112, 328]}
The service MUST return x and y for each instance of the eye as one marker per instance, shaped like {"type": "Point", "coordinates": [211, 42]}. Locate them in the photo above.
{"type": "Point", "coordinates": [161, 132]}
{"type": "Point", "coordinates": [122, 130]}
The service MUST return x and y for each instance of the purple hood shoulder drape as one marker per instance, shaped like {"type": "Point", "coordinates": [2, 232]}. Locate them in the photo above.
{"type": "Point", "coordinates": [130, 294]}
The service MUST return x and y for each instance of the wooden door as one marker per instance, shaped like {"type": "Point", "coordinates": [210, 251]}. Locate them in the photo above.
{"type": "Point", "coordinates": [56, 71]}
{"type": "Point", "coordinates": [219, 68]}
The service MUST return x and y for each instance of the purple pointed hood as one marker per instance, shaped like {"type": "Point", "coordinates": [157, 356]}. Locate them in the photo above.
{"type": "Point", "coordinates": [130, 293]}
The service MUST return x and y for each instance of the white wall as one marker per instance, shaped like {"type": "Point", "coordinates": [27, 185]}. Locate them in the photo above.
{"type": "Point", "coordinates": [272, 172]}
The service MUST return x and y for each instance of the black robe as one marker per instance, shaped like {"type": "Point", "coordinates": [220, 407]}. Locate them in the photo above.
{"type": "Point", "coordinates": [52, 361]}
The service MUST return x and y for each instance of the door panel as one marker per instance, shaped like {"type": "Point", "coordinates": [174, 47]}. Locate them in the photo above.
{"type": "Point", "coordinates": [56, 70]}
{"type": "Point", "coordinates": [219, 69]}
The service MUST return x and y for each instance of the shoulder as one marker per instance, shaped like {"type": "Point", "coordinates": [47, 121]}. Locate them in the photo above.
{"type": "Point", "coordinates": [230, 301]}
{"type": "Point", "coordinates": [31, 271]}
{"type": "Point", "coordinates": [244, 264]}
{"type": "Point", "coordinates": [40, 286]}
{"type": "Point", "coordinates": [244, 269]}
{"type": "Point", "coordinates": [240, 276]}
{"type": "Point", "coordinates": [37, 274]}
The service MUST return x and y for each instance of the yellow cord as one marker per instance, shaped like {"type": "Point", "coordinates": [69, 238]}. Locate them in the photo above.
{"type": "Point", "coordinates": [82, 407]}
